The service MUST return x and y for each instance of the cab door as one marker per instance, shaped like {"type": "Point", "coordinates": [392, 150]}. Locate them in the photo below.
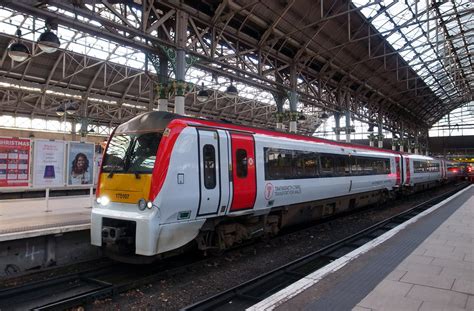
{"type": "Point", "coordinates": [209, 172]}
{"type": "Point", "coordinates": [243, 171]}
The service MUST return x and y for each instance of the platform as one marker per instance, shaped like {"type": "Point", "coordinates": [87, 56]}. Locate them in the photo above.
{"type": "Point", "coordinates": [424, 264]}
{"type": "Point", "coordinates": [25, 218]}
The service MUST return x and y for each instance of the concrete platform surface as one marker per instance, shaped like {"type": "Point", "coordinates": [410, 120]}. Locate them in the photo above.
{"type": "Point", "coordinates": [25, 218]}
{"type": "Point", "coordinates": [427, 264]}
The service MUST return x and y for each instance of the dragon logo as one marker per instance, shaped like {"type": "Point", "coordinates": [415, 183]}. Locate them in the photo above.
{"type": "Point", "coordinates": [269, 190]}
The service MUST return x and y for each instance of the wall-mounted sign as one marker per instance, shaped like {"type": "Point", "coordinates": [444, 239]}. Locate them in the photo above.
{"type": "Point", "coordinates": [14, 162]}
{"type": "Point", "coordinates": [48, 168]}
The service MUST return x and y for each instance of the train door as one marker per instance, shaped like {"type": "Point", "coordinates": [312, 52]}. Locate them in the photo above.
{"type": "Point", "coordinates": [398, 170]}
{"type": "Point", "coordinates": [243, 171]}
{"type": "Point", "coordinates": [209, 172]}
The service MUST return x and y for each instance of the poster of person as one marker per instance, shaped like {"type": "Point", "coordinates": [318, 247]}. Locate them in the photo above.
{"type": "Point", "coordinates": [48, 163]}
{"type": "Point", "coordinates": [80, 163]}
{"type": "Point", "coordinates": [14, 162]}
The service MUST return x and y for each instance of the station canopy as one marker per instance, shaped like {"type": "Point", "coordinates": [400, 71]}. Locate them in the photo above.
{"type": "Point", "coordinates": [407, 63]}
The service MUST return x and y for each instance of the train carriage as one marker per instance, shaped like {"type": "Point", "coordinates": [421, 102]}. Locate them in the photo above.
{"type": "Point", "coordinates": [168, 180]}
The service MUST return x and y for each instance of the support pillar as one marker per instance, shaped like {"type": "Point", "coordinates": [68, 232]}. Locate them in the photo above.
{"type": "Point", "coordinates": [427, 143]}
{"type": "Point", "coordinates": [279, 114]}
{"type": "Point", "coordinates": [337, 120]}
{"type": "Point", "coordinates": [380, 133]}
{"type": "Point", "coordinates": [417, 144]}
{"type": "Point", "coordinates": [371, 140]}
{"type": "Point", "coordinates": [348, 126]}
{"type": "Point", "coordinates": [162, 100]}
{"type": "Point", "coordinates": [293, 101]}
{"type": "Point", "coordinates": [402, 139]}
{"type": "Point", "coordinates": [180, 62]}
{"type": "Point", "coordinates": [83, 130]}
{"type": "Point", "coordinates": [293, 112]}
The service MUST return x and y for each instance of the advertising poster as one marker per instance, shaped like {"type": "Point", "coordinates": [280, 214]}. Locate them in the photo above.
{"type": "Point", "coordinates": [14, 162]}
{"type": "Point", "coordinates": [80, 163]}
{"type": "Point", "coordinates": [48, 163]}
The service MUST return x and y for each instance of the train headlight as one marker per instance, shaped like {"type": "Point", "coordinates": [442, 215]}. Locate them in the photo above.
{"type": "Point", "coordinates": [103, 200]}
{"type": "Point", "coordinates": [149, 204]}
{"type": "Point", "coordinates": [142, 204]}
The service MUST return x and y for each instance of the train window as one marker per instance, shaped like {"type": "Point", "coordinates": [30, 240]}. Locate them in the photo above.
{"type": "Point", "coordinates": [278, 163]}
{"type": "Point", "coordinates": [114, 158]}
{"type": "Point", "coordinates": [433, 167]}
{"type": "Point", "coordinates": [341, 165]}
{"type": "Point", "coordinates": [327, 165]}
{"type": "Point", "coordinates": [209, 158]}
{"type": "Point", "coordinates": [131, 153]}
{"type": "Point", "coordinates": [290, 164]}
{"type": "Point", "coordinates": [420, 166]}
{"type": "Point", "coordinates": [241, 159]}
{"type": "Point", "coordinates": [143, 156]}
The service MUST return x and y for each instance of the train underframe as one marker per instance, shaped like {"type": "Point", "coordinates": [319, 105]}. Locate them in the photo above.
{"type": "Point", "coordinates": [222, 233]}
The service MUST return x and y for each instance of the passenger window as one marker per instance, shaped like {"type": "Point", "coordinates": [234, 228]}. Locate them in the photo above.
{"type": "Point", "coordinates": [327, 166]}
{"type": "Point", "coordinates": [209, 158]}
{"type": "Point", "coordinates": [241, 159]}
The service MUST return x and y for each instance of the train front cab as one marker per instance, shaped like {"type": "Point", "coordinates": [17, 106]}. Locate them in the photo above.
{"type": "Point", "coordinates": [154, 201]}
{"type": "Point", "coordinates": [123, 219]}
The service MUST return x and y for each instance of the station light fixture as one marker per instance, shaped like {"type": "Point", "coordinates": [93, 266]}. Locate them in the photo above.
{"type": "Point", "coordinates": [203, 94]}
{"type": "Point", "coordinates": [324, 115]}
{"type": "Point", "coordinates": [71, 108]}
{"type": "Point", "coordinates": [231, 91]}
{"type": "Point", "coordinates": [301, 118]}
{"type": "Point", "coordinates": [17, 50]}
{"type": "Point", "coordinates": [60, 111]}
{"type": "Point", "coordinates": [48, 42]}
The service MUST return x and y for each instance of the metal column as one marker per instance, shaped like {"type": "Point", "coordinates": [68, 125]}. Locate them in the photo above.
{"type": "Point", "coordinates": [402, 139]}
{"type": "Point", "coordinates": [380, 133]}
{"type": "Point", "coordinates": [293, 100]}
{"type": "Point", "coordinates": [348, 126]}
{"type": "Point", "coordinates": [181, 37]}
{"type": "Point", "coordinates": [337, 119]}
{"type": "Point", "coordinates": [279, 115]}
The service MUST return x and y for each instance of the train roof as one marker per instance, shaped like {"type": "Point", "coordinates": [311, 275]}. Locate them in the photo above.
{"type": "Point", "coordinates": [159, 120]}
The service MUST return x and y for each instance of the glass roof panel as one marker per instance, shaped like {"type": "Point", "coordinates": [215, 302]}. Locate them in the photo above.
{"type": "Point", "coordinates": [438, 31]}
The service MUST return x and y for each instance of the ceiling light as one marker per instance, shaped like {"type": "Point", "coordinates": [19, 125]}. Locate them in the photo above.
{"type": "Point", "coordinates": [60, 111]}
{"type": "Point", "coordinates": [48, 42]}
{"type": "Point", "coordinates": [71, 109]}
{"type": "Point", "coordinates": [231, 91]}
{"type": "Point", "coordinates": [301, 118]}
{"type": "Point", "coordinates": [203, 94]}
{"type": "Point", "coordinates": [17, 50]}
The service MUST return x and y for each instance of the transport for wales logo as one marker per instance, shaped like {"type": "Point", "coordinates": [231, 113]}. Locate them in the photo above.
{"type": "Point", "coordinates": [269, 191]}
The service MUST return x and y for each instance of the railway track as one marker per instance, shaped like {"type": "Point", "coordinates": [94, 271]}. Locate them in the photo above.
{"type": "Point", "coordinates": [77, 289]}
{"type": "Point", "coordinates": [261, 287]}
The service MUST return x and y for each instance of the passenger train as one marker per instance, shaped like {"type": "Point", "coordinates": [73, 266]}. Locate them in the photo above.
{"type": "Point", "coordinates": [168, 181]}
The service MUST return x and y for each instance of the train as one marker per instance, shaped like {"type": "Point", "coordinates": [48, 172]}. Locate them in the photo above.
{"type": "Point", "coordinates": [169, 181]}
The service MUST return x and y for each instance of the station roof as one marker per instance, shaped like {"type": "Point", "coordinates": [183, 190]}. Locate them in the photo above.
{"type": "Point", "coordinates": [409, 64]}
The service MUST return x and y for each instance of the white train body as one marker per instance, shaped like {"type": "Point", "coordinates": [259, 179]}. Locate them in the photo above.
{"type": "Point", "coordinates": [218, 184]}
